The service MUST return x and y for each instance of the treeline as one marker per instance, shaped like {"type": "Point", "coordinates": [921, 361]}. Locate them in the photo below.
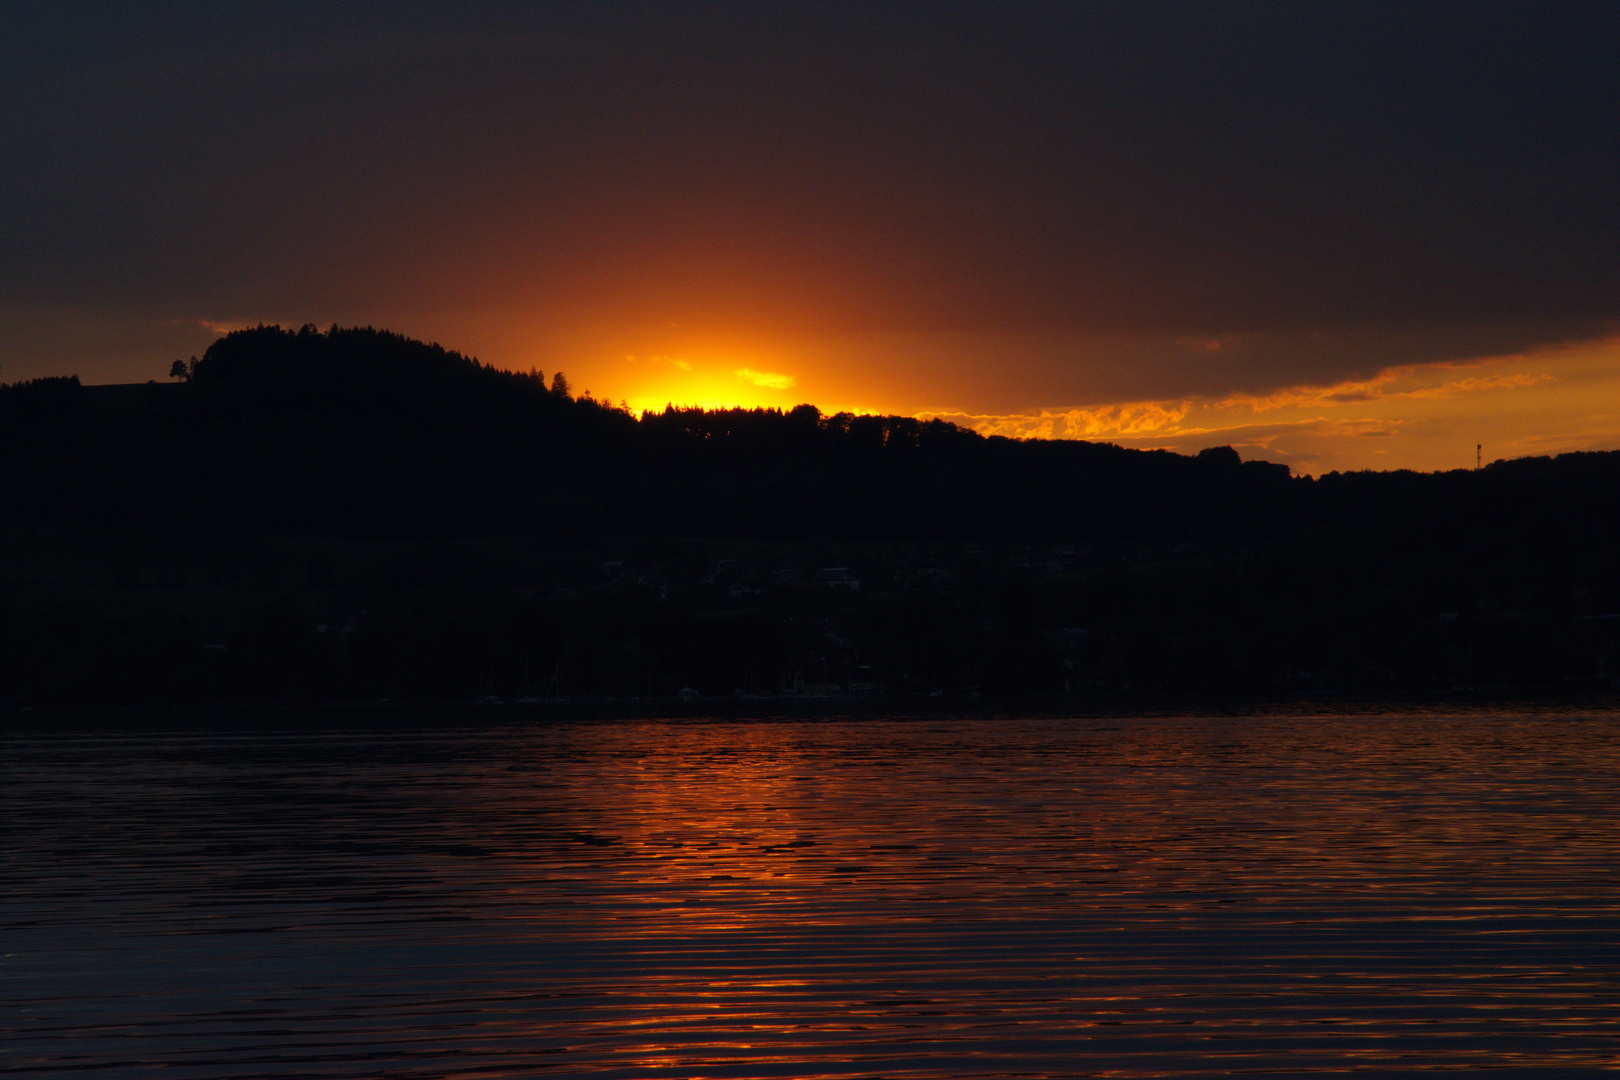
{"type": "Point", "coordinates": [352, 514]}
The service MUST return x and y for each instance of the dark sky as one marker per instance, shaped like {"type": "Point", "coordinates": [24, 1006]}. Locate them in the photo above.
{"type": "Point", "coordinates": [1409, 181]}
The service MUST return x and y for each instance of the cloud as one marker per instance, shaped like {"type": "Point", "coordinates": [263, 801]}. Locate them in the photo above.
{"type": "Point", "coordinates": [1021, 373]}
{"type": "Point", "coordinates": [767, 379]}
{"type": "Point", "coordinates": [1382, 387]}
{"type": "Point", "coordinates": [1102, 422]}
{"type": "Point", "coordinates": [1469, 386]}
{"type": "Point", "coordinates": [1424, 416]}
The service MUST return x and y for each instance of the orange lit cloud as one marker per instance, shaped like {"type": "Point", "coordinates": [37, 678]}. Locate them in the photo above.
{"type": "Point", "coordinates": [1409, 416]}
{"type": "Point", "coordinates": [1386, 385]}
{"type": "Point", "coordinates": [768, 379]}
{"type": "Point", "coordinates": [1105, 422]}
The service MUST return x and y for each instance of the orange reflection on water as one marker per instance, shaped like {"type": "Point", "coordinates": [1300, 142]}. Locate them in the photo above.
{"type": "Point", "coordinates": [929, 897]}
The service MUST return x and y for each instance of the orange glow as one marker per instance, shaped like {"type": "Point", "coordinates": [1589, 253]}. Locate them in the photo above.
{"type": "Point", "coordinates": [1408, 414]}
{"type": "Point", "coordinates": [710, 380]}
{"type": "Point", "coordinates": [1415, 416]}
{"type": "Point", "coordinates": [715, 377]}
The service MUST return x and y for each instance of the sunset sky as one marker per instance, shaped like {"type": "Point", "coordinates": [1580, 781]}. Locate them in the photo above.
{"type": "Point", "coordinates": [1337, 236]}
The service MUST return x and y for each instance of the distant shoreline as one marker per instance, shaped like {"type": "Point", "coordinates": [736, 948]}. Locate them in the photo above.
{"type": "Point", "coordinates": [416, 714]}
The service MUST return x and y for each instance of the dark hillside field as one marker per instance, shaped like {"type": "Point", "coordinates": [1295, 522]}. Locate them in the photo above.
{"type": "Point", "coordinates": [351, 514]}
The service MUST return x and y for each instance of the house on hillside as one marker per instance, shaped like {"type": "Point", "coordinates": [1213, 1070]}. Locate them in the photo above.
{"type": "Point", "coordinates": [836, 577]}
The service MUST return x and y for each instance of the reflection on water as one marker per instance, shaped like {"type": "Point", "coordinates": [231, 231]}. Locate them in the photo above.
{"type": "Point", "coordinates": [867, 897]}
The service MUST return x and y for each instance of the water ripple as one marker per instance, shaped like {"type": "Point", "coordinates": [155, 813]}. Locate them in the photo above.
{"type": "Point", "coordinates": [984, 896]}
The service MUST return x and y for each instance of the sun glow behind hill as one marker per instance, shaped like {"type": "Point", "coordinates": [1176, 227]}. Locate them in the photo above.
{"type": "Point", "coordinates": [1422, 416]}
{"type": "Point", "coordinates": [1404, 415]}
{"type": "Point", "coordinates": [654, 380]}
{"type": "Point", "coordinates": [715, 380]}
{"type": "Point", "coordinates": [1400, 414]}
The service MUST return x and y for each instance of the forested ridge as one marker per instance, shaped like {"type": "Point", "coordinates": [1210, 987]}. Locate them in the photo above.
{"type": "Point", "coordinates": [357, 432]}
{"type": "Point", "coordinates": [349, 513]}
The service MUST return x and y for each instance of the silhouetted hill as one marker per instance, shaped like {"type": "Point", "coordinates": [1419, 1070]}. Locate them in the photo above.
{"type": "Point", "coordinates": [360, 431]}
{"type": "Point", "coordinates": [348, 431]}
{"type": "Point", "coordinates": [350, 513]}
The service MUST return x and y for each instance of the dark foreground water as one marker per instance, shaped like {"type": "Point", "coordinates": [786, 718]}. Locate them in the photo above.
{"type": "Point", "coordinates": [865, 897]}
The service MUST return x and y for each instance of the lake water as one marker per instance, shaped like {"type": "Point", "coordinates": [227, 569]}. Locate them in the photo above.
{"type": "Point", "coordinates": [906, 897]}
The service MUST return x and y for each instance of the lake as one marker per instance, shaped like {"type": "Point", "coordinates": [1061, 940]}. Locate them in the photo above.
{"type": "Point", "coordinates": [935, 896]}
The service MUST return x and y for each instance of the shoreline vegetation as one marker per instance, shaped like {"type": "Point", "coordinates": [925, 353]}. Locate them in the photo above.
{"type": "Point", "coordinates": [1113, 709]}
{"type": "Point", "coordinates": [308, 516]}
